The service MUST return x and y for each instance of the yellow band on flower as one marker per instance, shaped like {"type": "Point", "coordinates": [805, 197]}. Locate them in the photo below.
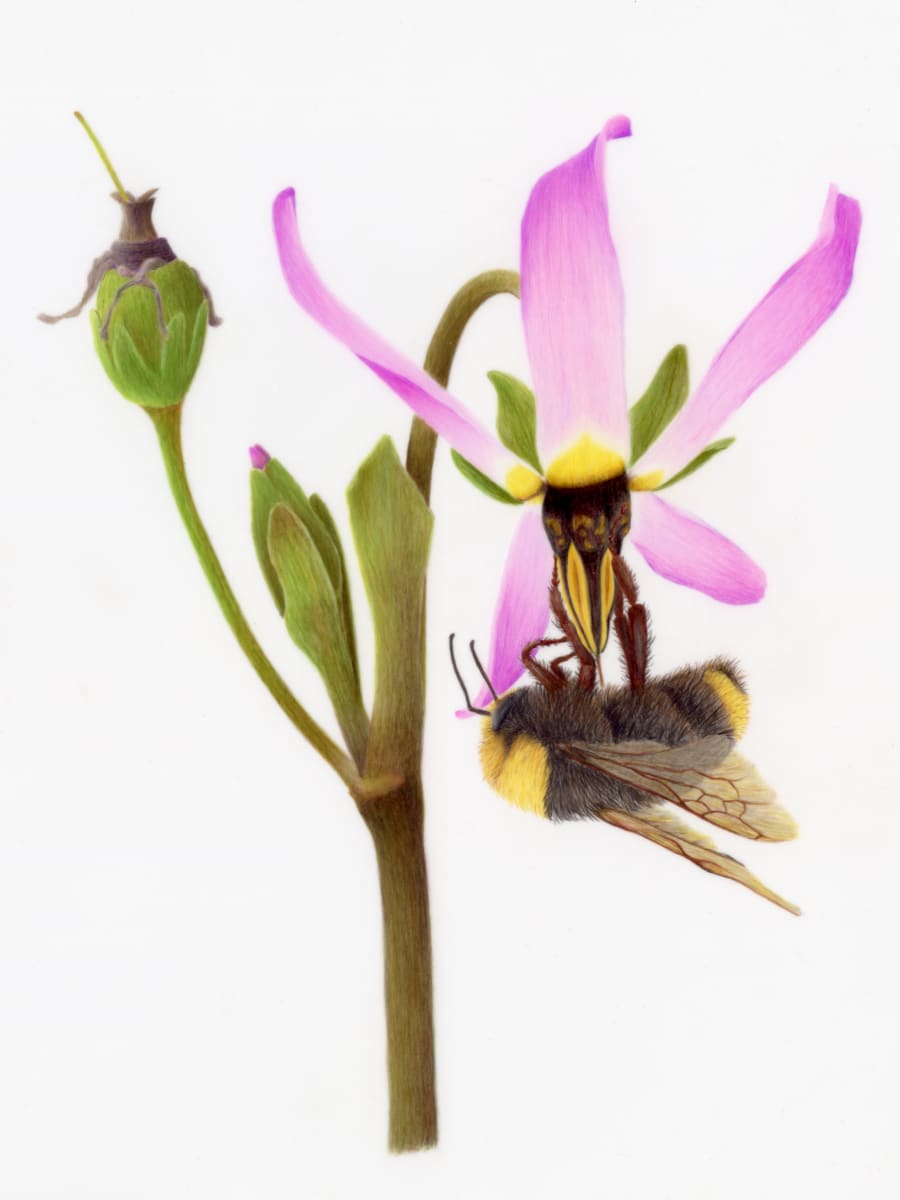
{"type": "Point", "coordinates": [646, 483]}
{"type": "Point", "coordinates": [524, 484]}
{"type": "Point", "coordinates": [587, 462]}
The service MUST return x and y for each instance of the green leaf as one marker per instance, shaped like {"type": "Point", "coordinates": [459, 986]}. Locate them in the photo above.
{"type": "Point", "coordinates": [275, 485]}
{"type": "Point", "coordinates": [516, 418]}
{"type": "Point", "coordinates": [322, 511]}
{"type": "Point", "coordinates": [263, 499]}
{"type": "Point", "coordinates": [474, 476]}
{"type": "Point", "coordinates": [392, 526]}
{"type": "Point", "coordinates": [695, 464]}
{"type": "Point", "coordinates": [198, 338]}
{"type": "Point", "coordinates": [664, 397]}
{"type": "Point", "coordinates": [312, 617]}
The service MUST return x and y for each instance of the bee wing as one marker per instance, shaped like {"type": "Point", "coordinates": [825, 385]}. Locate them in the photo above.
{"type": "Point", "coordinates": [664, 828]}
{"type": "Point", "coordinates": [704, 776]}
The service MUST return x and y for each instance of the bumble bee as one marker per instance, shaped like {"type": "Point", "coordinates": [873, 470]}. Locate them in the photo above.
{"type": "Point", "coordinates": [625, 756]}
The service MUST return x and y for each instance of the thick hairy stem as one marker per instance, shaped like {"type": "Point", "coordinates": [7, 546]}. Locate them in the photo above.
{"type": "Point", "coordinates": [167, 422]}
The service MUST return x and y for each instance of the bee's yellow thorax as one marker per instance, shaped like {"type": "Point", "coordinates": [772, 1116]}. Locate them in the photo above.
{"type": "Point", "coordinates": [735, 702]}
{"type": "Point", "coordinates": [587, 462]}
{"type": "Point", "coordinates": [520, 774]}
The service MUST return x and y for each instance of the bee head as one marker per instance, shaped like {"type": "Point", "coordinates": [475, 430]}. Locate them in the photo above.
{"type": "Point", "coordinates": [504, 714]}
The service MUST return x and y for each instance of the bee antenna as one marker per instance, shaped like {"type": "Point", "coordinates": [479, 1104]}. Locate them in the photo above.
{"type": "Point", "coordinates": [482, 712]}
{"type": "Point", "coordinates": [482, 672]}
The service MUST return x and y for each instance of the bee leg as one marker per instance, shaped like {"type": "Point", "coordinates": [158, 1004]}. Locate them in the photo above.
{"type": "Point", "coordinates": [556, 666]}
{"type": "Point", "coordinates": [622, 628]}
{"type": "Point", "coordinates": [640, 643]}
{"type": "Point", "coordinates": [625, 578]}
{"type": "Point", "coordinates": [587, 675]}
{"type": "Point", "coordinates": [549, 679]}
{"type": "Point", "coordinates": [103, 263]}
{"type": "Point", "coordinates": [631, 626]}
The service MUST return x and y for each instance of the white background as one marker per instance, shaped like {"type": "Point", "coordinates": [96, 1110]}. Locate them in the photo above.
{"type": "Point", "coordinates": [190, 971]}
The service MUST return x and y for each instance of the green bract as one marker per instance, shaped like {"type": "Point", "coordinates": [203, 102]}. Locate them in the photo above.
{"type": "Point", "coordinates": [299, 551]}
{"type": "Point", "coordinates": [662, 401]}
{"type": "Point", "coordinates": [148, 366]}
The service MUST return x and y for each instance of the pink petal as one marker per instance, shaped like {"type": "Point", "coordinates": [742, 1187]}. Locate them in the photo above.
{"type": "Point", "coordinates": [783, 321]}
{"type": "Point", "coordinates": [417, 389]}
{"type": "Point", "coordinates": [683, 548]}
{"type": "Point", "coordinates": [523, 606]}
{"type": "Point", "coordinates": [572, 303]}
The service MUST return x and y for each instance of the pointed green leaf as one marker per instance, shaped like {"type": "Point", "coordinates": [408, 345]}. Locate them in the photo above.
{"type": "Point", "coordinates": [695, 464]}
{"type": "Point", "coordinates": [322, 511]}
{"type": "Point", "coordinates": [198, 338]}
{"type": "Point", "coordinates": [275, 485]}
{"type": "Point", "coordinates": [392, 531]}
{"type": "Point", "coordinates": [263, 499]}
{"type": "Point", "coordinates": [172, 360]}
{"type": "Point", "coordinates": [516, 418]}
{"type": "Point", "coordinates": [312, 617]}
{"type": "Point", "coordinates": [129, 372]}
{"type": "Point", "coordinates": [474, 476]}
{"type": "Point", "coordinates": [664, 397]}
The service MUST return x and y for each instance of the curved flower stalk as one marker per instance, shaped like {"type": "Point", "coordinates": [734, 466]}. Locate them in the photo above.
{"type": "Point", "coordinates": [604, 464]}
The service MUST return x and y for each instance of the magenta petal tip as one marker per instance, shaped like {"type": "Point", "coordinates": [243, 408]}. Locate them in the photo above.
{"type": "Point", "coordinates": [259, 458]}
{"type": "Point", "coordinates": [617, 127]}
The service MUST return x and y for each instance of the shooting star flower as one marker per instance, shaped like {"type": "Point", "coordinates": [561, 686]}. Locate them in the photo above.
{"type": "Point", "coordinates": [604, 464]}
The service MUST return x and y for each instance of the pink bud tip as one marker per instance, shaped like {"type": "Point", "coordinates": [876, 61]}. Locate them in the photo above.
{"type": "Point", "coordinates": [259, 458]}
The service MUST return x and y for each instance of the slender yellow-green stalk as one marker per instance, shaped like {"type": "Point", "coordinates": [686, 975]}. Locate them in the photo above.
{"type": "Point", "coordinates": [168, 428]}
{"type": "Point", "coordinates": [104, 157]}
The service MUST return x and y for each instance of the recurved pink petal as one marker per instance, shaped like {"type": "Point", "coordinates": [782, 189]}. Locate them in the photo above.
{"type": "Point", "coordinates": [783, 321]}
{"type": "Point", "coordinates": [523, 606]}
{"type": "Point", "coordinates": [572, 303]}
{"type": "Point", "coordinates": [413, 385]}
{"type": "Point", "coordinates": [683, 548]}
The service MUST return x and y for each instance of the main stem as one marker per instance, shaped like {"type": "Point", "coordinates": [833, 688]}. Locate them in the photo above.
{"type": "Point", "coordinates": [167, 422]}
{"type": "Point", "coordinates": [396, 820]}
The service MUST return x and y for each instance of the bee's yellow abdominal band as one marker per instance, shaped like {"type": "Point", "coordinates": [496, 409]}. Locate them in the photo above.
{"type": "Point", "coordinates": [735, 702]}
{"type": "Point", "coordinates": [521, 774]}
{"type": "Point", "coordinates": [587, 462]}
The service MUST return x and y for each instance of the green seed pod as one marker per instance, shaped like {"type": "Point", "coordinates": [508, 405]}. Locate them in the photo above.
{"type": "Point", "coordinates": [152, 308]}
